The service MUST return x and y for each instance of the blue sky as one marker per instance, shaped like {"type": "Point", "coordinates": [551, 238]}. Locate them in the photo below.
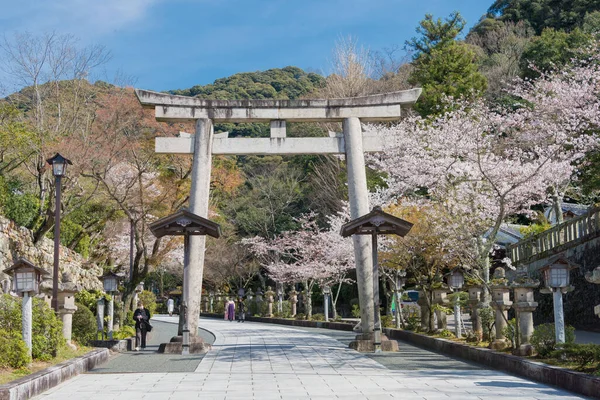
{"type": "Point", "coordinates": [176, 44]}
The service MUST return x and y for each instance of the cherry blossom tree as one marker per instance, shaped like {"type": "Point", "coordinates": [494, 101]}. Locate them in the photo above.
{"type": "Point", "coordinates": [483, 164]}
{"type": "Point", "coordinates": [309, 255]}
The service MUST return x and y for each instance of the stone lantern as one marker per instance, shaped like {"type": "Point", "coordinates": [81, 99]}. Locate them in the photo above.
{"type": "Point", "coordinates": [475, 296]}
{"type": "Point", "coordinates": [501, 304]}
{"type": "Point", "coordinates": [211, 301]}
{"type": "Point", "coordinates": [293, 298]}
{"type": "Point", "coordinates": [26, 280]}
{"type": "Point", "coordinates": [440, 296]}
{"type": "Point", "coordinates": [66, 305]}
{"type": "Point", "coordinates": [110, 281]}
{"type": "Point", "coordinates": [594, 277]}
{"type": "Point", "coordinates": [456, 280]}
{"type": "Point", "coordinates": [556, 278]}
{"type": "Point", "coordinates": [269, 294]}
{"type": "Point", "coordinates": [524, 306]}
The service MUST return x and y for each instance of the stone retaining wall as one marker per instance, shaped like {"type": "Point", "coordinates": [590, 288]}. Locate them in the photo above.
{"type": "Point", "coordinates": [577, 382]}
{"type": "Point", "coordinates": [38, 382]}
{"type": "Point", "coordinates": [17, 241]}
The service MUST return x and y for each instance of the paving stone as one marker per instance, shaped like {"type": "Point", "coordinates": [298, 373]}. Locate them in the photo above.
{"type": "Point", "coordinates": [267, 362]}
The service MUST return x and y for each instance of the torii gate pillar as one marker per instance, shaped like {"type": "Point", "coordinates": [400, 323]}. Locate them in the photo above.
{"type": "Point", "coordinates": [359, 205]}
{"type": "Point", "coordinates": [199, 197]}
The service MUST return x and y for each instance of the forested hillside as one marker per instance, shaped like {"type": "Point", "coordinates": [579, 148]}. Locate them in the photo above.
{"type": "Point", "coordinates": [117, 182]}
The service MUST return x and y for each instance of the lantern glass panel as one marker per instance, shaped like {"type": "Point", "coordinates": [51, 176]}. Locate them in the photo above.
{"type": "Point", "coordinates": [456, 280]}
{"type": "Point", "coordinates": [25, 281]}
{"type": "Point", "coordinates": [241, 292]}
{"type": "Point", "coordinates": [557, 276]}
{"type": "Point", "coordinates": [59, 168]}
{"type": "Point", "coordinates": [110, 284]}
{"type": "Point", "coordinates": [326, 290]}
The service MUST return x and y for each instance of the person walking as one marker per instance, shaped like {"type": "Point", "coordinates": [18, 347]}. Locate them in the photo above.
{"type": "Point", "coordinates": [170, 306]}
{"type": "Point", "coordinates": [241, 307]}
{"type": "Point", "coordinates": [141, 316]}
{"type": "Point", "coordinates": [230, 310]}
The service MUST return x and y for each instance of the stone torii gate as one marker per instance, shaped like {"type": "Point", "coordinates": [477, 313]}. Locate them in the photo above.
{"type": "Point", "coordinates": [204, 143]}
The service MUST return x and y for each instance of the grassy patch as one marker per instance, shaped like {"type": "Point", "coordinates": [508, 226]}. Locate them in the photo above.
{"type": "Point", "coordinates": [64, 353]}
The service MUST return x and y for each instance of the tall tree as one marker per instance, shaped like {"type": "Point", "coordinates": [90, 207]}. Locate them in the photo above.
{"type": "Point", "coordinates": [59, 102]}
{"type": "Point", "coordinates": [442, 66]}
{"type": "Point", "coordinates": [540, 14]}
{"type": "Point", "coordinates": [483, 165]}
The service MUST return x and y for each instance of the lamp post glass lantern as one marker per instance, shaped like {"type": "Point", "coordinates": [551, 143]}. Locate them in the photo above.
{"type": "Point", "coordinates": [326, 294]}
{"type": "Point", "coordinates": [280, 297]}
{"type": "Point", "coordinates": [456, 280]}
{"type": "Point", "coordinates": [110, 282]}
{"type": "Point", "coordinates": [59, 169]}
{"type": "Point", "coordinates": [556, 277]}
{"type": "Point", "coordinates": [26, 280]}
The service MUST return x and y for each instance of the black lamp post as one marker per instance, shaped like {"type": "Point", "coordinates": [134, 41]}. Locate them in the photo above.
{"type": "Point", "coordinates": [59, 168]}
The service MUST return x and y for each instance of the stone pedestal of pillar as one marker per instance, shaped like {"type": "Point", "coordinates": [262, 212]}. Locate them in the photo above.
{"type": "Point", "coordinates": [205, 301]}
{"type": "Point", "coordinates": [475, 297]}
{"type": "Point", "coordinates": [66, 315]}
{"type": "Point", "coordinates": [440, 296]}
{"type": "Point", "coordinates": [524, 307]}
{"type": "Point", "coordinates": [501, 304]}
{"type": "Point", "coordinates": [422, 302]}
{"type": "Point", "coordinates": [26, 320]}
{"type": "Point", "coordinates": [293, 298]}
{"type": "Point", "coordinates": [270, 295]}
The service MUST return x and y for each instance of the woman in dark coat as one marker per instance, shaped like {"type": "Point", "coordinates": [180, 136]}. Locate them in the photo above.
{"type": "Point", "coordinates": [141, 316]}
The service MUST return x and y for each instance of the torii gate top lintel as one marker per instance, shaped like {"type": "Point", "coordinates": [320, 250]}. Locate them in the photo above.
{"type": "Point", "coordinates": [379, 107]}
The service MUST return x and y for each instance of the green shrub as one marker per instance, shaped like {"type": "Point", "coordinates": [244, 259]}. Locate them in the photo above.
{"type": "Point", "coordinates": [219, 307]}
{"type": "Point", "coordinates": [300, 316]}
{"type": "Point", "coordinates": [387, 321]}
{"type": "Point", "coordinates": [445, 333]}
{"type": "Point", "coordinates": [10, 313]}
{"type": "Point", "coordinates": [129, 319]}
{"type": "Point", "coordinates": [356, 311]}
{"type": "Point", "coordinates": [582, 354]}
{"type": "Point", "coordinates": [256, 308]}
{"type": "Point", "coordinates": [89, 298]}
{"type": "Point", "coordinates": [47, 331]}
{"type": "Point", "coordinates": [488, 317]}
{"type": "Point", "coordinates": [318, 317]}
{"type": "Point", "coordinates": [510, 330]}
{"type": "Point", "coordinates": [149, 300]}
{"type": "Point", "coordinates": [13, 351]}
{"type": "Point", "coordinates": [46, 326]}
{"type": "Point", "coordinates": [544, 338]}
{"type": "Point", "coordinates": [124, 333]}
{"type": "Point", "coordinates": [84, 325]}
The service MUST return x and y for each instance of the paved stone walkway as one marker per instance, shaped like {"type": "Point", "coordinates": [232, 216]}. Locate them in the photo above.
{"type": "Point", "coordinates": [149, 360]}
{"type": "Point", "coordinates": [265, 361]}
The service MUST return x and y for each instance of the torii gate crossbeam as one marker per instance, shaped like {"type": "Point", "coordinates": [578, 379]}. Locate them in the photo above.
{"type": "Point", "coordinates": [204, 143]}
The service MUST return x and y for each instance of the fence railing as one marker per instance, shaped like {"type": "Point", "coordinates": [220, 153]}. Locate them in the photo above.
{"type": "Point", "coordinates": [568, 234]}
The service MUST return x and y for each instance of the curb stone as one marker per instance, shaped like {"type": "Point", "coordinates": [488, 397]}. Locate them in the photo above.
{"type": "Point", "coordinates": [38, 382]}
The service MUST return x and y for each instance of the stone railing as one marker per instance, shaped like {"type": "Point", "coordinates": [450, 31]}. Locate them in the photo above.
{"type": "Point", "coordinates": [569, 234]}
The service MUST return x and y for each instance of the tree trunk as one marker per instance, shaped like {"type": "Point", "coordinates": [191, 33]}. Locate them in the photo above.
{"type": "Point", "coordinates": [557, 206]}
{"type": "Point", "coordinates": [308, 300]}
